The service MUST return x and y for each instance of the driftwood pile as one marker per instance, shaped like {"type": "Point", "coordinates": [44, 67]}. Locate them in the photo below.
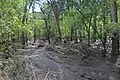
{"type": "Point", "coordinates": [73, 49]}
{"type": "Point", "coordinates": [12, 69]}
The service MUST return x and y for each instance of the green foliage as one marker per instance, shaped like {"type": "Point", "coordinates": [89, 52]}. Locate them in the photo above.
{"type": "Point", "coordinates": [112, 28]}
{"type": "Point", "coordinates": [12, 13]}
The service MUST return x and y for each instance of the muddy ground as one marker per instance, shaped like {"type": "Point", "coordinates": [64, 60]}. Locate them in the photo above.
{"type": "Point", "coordinates": [51, 63]}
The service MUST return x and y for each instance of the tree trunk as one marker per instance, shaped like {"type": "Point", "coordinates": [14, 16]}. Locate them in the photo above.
{"type": "Point", "coordinates": [23, 40]}
{"type": "Point", "coordinates": [76, 37]}
{"type": "Point", "coordinates": [89, 32]}
{"type": "Point", "coordinates": [59, 30]}
{"type": "Point", "coordinates": [56, 12]}
{"type": "Point", "coordinates": [104, 34]}
{"type": "Point", "coordinates": [48, 31]}
{"type": "Point", "coordinates": [23, 22]}
{"type": "Point", "coordinates": [94, 27]}
{"type": "Point", "coordinates": [80, 36]}
{"type": "Point", "coordinates": [115, 38]}
{"type": "Point", "coordinates": [26, 37]}
{"type": "Point", "coordinates": [18, 35]}
{"type": "Point", "coordinates": [39, 34]}
{"type": "Point", "coordinates": [72, 31]}
{"type": "Point", "coordinates": [34, 35]}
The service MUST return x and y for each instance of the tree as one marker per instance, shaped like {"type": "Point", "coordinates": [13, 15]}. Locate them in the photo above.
{"type": "Point", "coordinates": [56, 11]}
{"type": "Point", "coordinates": [115, 38]}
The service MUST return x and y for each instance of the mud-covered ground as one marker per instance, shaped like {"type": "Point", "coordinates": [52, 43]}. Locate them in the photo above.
{"type": "Point", "coordinates": [56, 63]}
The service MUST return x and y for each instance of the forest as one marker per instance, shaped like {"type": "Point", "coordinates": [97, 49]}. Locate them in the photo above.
{"type": "Point", "coordinates": [59, 39]}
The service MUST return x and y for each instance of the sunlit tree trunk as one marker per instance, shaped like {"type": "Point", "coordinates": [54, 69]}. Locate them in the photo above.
{"type": "Point", "coordinates": [89, 31]}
